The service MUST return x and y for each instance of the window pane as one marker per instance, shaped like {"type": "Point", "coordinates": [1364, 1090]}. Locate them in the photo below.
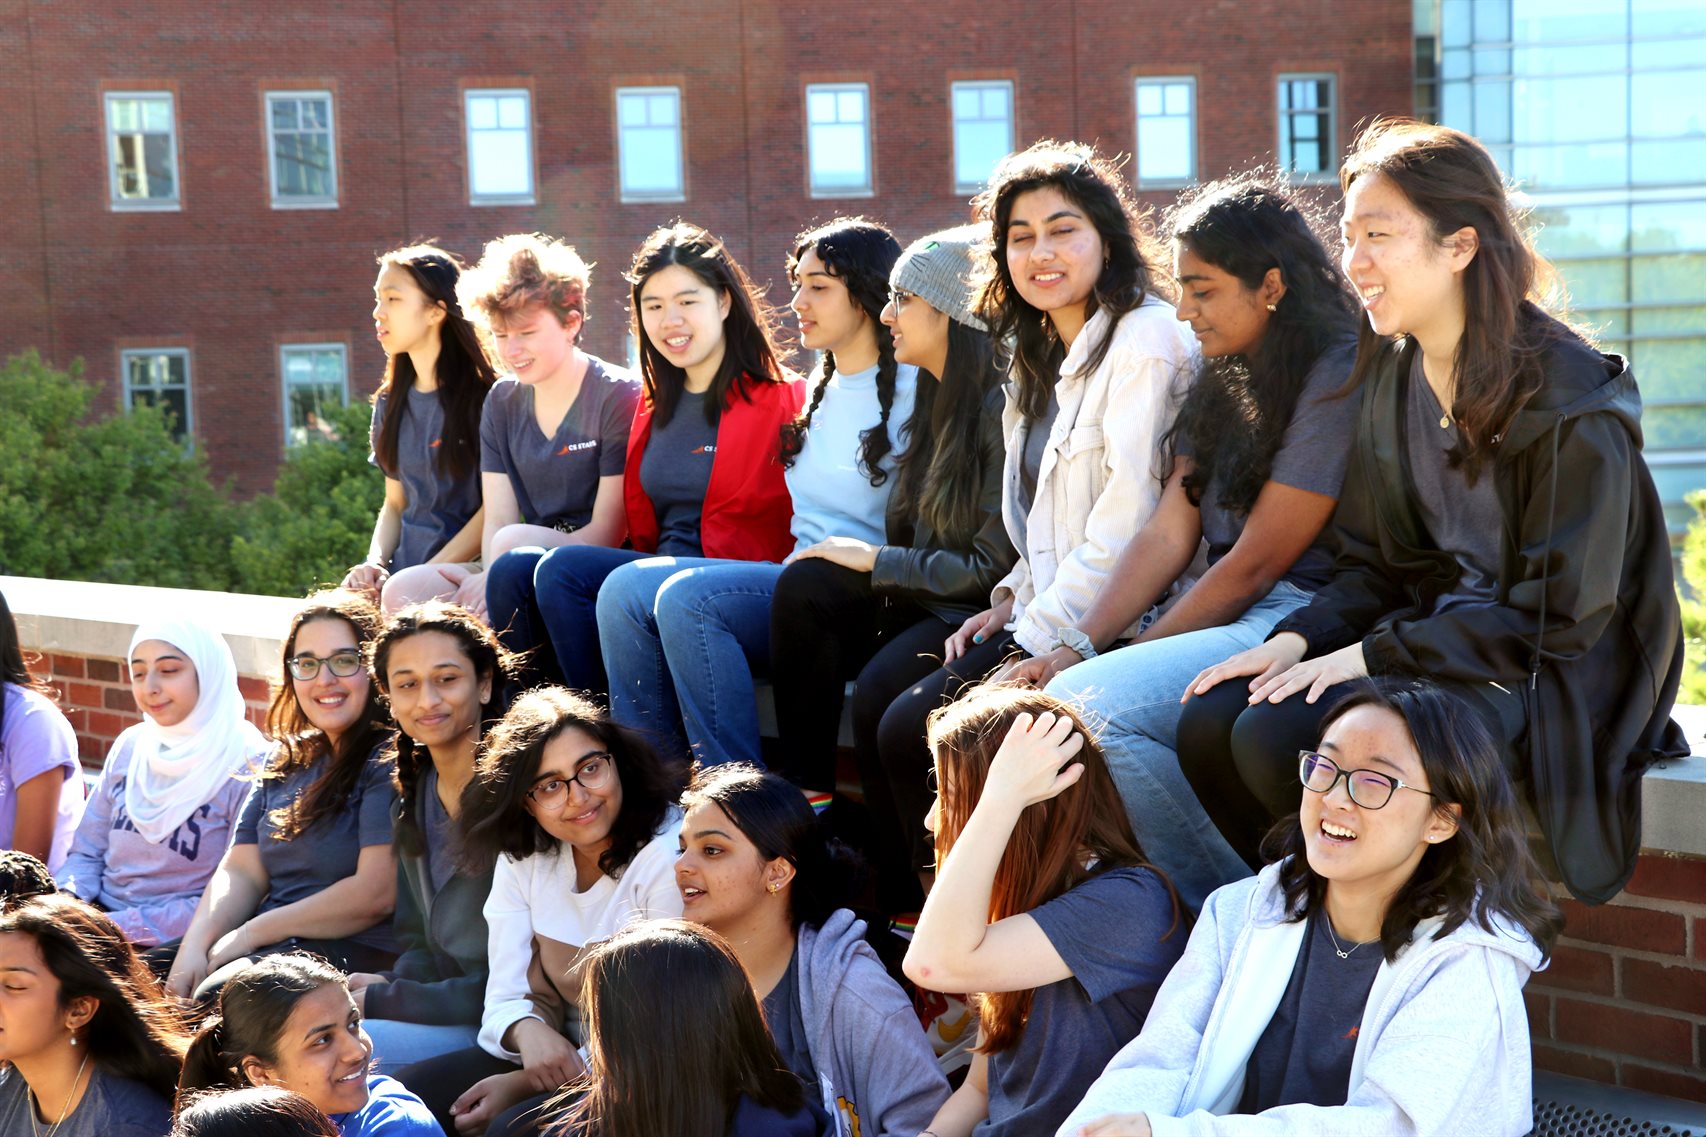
{"type": "Point", "coordinates": [1493, 112]}
{"type": "Point", "coordinates": [1569, 19]}
{"type": "Point", "coordinates": [157, 159]}
{"type": "Point", "coordinates": [126, 115]}
{"type": "Point", "coordinates": [850, 106]}
{"type": "Point", "coordinates": [650, 161]}
{"type": "Point", "coordinates": [482, 112]}
{"type": "Point", "coordinates": [512, 112]}
{"type": "Point", "coordinates": [1675, 162]}
{"type": "Point", "coordinates": [1669, 103]}
{"type": "Point", "coordinates": [1582, 230]}
{"type": "Point", "coordinates": [821, 105]}
{"type": "Point", "coordinates": [1680, 276]}
{"type": "Point", "coordinates": [663, 110]}
{"type": "Point", "coordinates": [838, 157]}
{"type": "Point", "coordinates": [977, 147]}
{"type": "Point", "coordinates": [1164, 150]}
{"type": "Point", "coordinates": [304, 165]}
{"type": "Point", "coordinates": [631, 110]}
{"type": "Point", "coordinates": [1595, 282]}
{"type": "Point", "coordinates": [1568, 167]}
{"type": "Point", "coordinates": [1178, 98]}
{"type": "Point", "coordinates": [498, 164]}
{"type": "Point", "coordinates": [156, 115]}
{"type": "Point", "coordinates": [1149, 99]}
{"type": "Point", "coordinates": [1669, 225]}
{"type": "Point", "coordinates": [995, 101]}
{"type": "Point", "coordinates": [966, 102]}
{"type": "Point", "coordinates": [284, 114]}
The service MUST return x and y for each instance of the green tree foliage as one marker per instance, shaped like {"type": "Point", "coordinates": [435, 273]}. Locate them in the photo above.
{"type": "Point", "coordinates": [110, 499]}
{"type": "Point", "coordinates": [1694, 602]}
{"type": "Point", "coordinates": [317, 521]}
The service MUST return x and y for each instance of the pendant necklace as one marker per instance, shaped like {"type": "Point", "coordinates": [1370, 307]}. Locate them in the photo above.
{"type": "Point", "coordinates": [64, 1109]}
{"type": "Point", "coordinates": [1339, 951]}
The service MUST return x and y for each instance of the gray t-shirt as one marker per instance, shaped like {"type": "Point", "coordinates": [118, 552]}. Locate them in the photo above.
{"type": "Point", "coordinates": [327, 851]}
{"type": "Point", "coordinates": [436, 507]}
{"type": "Point", "coordinates": [111, 1107]}
{"type": "Point", "coordinates": [555, 477]}
{"type": "Point", "coordinates": [1108, 930]}
{"type": "Point", "coordinates": [1463, 520]}
{"type": "Point", "coordinates": [1304, 1055]}
{"type": "Point", "coordinates": [674, 471]}
{"type": "Point", "coordinates": [442, 842]}
{"type": "Point", "coordinates": [1031, 456]}
{"type": "Point", "coordinates": [1312, 456]}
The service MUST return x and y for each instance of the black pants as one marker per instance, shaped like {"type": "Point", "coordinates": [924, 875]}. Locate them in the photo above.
{"type": "Point", "coordinates": [440, 1081]}
{"type": "Point", "coordinates": [1242, 760]}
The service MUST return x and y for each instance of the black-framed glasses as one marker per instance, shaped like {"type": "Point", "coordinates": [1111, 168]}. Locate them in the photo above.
{"type": "Point", "coordinates": [900, 298]}
{"type": "Point", "coordinates": [343, 664]}
{"type": "Point", "coordinates": [1370, 789]}
{"type": "Point", "coordinates": [594, 774]}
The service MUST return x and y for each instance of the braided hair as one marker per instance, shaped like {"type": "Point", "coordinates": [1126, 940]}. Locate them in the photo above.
{"type": "Point", "coordinates": [860, 254]}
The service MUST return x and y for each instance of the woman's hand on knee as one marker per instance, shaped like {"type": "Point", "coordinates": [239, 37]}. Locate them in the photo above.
{"type": "Point", "coordinates": [977, 629]}
{"type": "Point", "coordinates": [1313, 676]}
{"type": "Point", "coordinates": [1264, 661]}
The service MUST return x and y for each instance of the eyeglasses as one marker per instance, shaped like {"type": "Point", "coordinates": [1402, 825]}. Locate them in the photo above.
{"type": "Point", "coordinates": [594, 774]}
{"type": "Point", "coordinates": [900, 298]}
{"type": "Point", "coordinates": [343, 664]}
{"type": "Point", "coordinates": [1368, 788]}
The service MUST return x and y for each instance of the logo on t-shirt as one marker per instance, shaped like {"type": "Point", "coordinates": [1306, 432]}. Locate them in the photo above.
{"type": "Point", "coordinates": [706, 449]}
{"type": "Point", "coordinates": [433, 445]}
{"type": "Point", "coordinates": [572, 447]}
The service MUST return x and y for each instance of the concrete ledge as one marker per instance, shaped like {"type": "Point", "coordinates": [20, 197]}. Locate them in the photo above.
{"type": "Point", "coordinates": [1673, 794]}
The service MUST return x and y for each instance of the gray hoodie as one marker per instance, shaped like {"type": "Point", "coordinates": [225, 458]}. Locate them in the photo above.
{"type": "Point", "coordinates": [1443, 1047]}
{"type": "Point", "coordinates": [876, 1072]}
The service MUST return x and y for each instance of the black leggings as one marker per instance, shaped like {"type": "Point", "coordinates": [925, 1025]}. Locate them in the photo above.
{"type": "Point", "coordinates": [439, 1081]}
{"type": "Point", "coordinates": [1242, 760]}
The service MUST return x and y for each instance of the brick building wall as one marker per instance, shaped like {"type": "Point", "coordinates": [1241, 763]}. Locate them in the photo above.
{"type": "Point", "coordinates": [232, 278]}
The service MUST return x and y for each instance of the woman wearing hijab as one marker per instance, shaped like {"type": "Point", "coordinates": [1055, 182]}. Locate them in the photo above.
{"type": "Point", "coordinates": [160, 817]}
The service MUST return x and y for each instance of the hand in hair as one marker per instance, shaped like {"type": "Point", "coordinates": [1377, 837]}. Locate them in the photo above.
{"type": "Point", "coordinates": [848, 552]}
{"type": "Point", "coordinates": [1315, 675]}
{"type": "Point", "coordinates": [977, 629]}
{"type": "Point", "coordinates": [1031, 765]}
{"type": "Point", "coordinates": [1116, 1125]}
{"type": "Point", "coordinates": [1264, 661]}
{"type": "Point", "coordinates": [470, 587]}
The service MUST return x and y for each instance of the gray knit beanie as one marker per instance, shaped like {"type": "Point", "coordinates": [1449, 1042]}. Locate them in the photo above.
{"type": "Point", "coordinates": [941, 268]}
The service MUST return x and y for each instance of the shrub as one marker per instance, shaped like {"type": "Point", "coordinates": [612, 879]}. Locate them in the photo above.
{"type": "Point", "coordinates": [1694, 602]}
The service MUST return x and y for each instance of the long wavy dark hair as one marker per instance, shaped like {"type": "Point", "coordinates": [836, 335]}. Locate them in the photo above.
{"type": "Point", "coordinates": [1484, 870]}
{"type": "Point", "coordinates": [253, 1010]}
{"type": "Point", "coordinates": [940, 473]}
{"type": "Point", "coordinates": [749, 337]}
{"type": "Point", "coordinates": [463, 371]}
{"type": "Point", "coordinates": [719, 1049]}
{"type": "Point", "coordinates": [494, 816]}
{"type": "Point", "coordinates": [859, 253]}
{"type": "Point", "coordinates": [137, 1031]}
{"type": "Point", "coordinates": [1237, 411]}
{"type": "Point", "coordinates": [301, 744]}
{"type": "Point", "coordinates": [1093, 184]}
{"type": "Point", "coordinates": [255, 1111]}
{"type": "Point", "coordinates": [489, 659]}
{"type": "Point", "coordinates": [1453, 181]}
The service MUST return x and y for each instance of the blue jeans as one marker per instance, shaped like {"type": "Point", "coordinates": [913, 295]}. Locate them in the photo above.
{"type": "Point", "coordinates": [544, 601]}
{"type": "Point", "coordinates": [398, 1044]}
{"type": "Point", "coordinates": [682, 638]}
{"type": "Point", "coordinates": [1131, 696]}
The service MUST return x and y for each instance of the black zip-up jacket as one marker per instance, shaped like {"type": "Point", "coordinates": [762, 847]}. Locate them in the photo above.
{"type": "Point", "coordinates": [1586, 622]}
{"type": "Point", "coordinates": [952, 584]}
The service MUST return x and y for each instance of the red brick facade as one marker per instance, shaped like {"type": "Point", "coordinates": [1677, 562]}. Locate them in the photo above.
{"type": "Point", "coordinates": [231, 278]}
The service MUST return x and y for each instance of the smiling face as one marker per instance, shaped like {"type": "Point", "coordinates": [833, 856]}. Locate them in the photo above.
{"type": "Point", "coordinates": [435, 692]}
{"type": "Point", "coordinates": [163, 682]}
{"type": "Point", "coordinates": [830, 320]}
{"type": "Point", "coordinates": [322, 1052]}
{"type": "Point", "coordinates": [333, 703]}
{"type": "Point", "coordinates": [1227, 317]}
{"type": "Point", "coordinates": [1054, 254]}
{"type": "Point", "coordinates": [403, 317]}
{"type": "Point", "coordinates": [581, 818]}
{"type": "Point", "coordinates": [683, 319]}
{"type": "Point", "coordinates": [920, 330]}
{"type": "Point", "coordinates": [1410, 282]}
{"type": "Point", "coordinates": [32, 1023]}
{"type": "Point", "coordinates": [1372, 852]}
{"type": "Point", "coordinates": [533, 345]}
{"type": "Point", "coordinates": [723, 878]}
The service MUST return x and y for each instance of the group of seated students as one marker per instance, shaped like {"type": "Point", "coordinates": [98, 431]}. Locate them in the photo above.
{"type": "Point", "coordinates": [1216, 677]}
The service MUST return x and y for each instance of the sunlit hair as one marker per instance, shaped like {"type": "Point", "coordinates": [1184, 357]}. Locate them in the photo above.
{"type": "Point", "coordinates": [463, 371]}
{"type": "Point", "coordinates": [1484, 870]}
{"type": "Point", "coordinates": [254, 1007]}
{"type": "Point", "coordinates": [255, 1111]}
{"type": "Point", "coordinates": [749, 339]}
{"type": "Point", "coordinates": [771, 812]}
{"type": "Point", "coordinates": [488, 658]}
{"type": "Point", "coordinates": [1451, 179]}
{"type": "Point", "coordinates": [1056, 845]}
{"type": "Point", "coordinates": [495, 819]}
{"type": "Point", "coordinates": [1236, 414]}
{"type": "Point", "coordinates": [860, 254]}
{"type": "Point", "coordinates": [300, 743]}
{"type": "Point", "coordinates": [23, 876]}
{"type": "Point", "coordinates": [1092, 183]}
{"type": "Point", "coordinates": [136, 1031]}
{"type": "Point", "coordinates": [718, 1049]}
{"type": "Point", "coordinates": [522, 271]}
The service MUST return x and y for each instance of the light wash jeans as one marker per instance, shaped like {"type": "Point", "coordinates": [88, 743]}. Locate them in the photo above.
{"type": "Point", "coordinates": [682, 638]}
{"type": "Point", "coordinates": [398, 1044]}
{"type": "Point", "coordinates": [1131, 697]}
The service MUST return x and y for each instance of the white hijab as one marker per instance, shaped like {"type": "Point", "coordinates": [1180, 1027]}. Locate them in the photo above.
{"type": "Point", "coordinates": [176, 770]}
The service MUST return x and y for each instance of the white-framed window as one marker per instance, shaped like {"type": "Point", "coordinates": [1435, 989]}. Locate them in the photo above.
{"type": "Point", "coordinates": [159, 377]}
{"type": "Point", "coordinates": [838, 139]}
{"type": "Point", "coordinates": [1166, 131]}
{"type": "Point", "coordinates": [983, 130]}
{"type": "Point", "coordinates": [316, 378]}
{"type": "Point", "coordinates": [142, 150]}
{"type": "Point", "coordinates": [301, 149]}
{"type": "Point", "coordinates": [1308, 130]}
{"type": "Point", "coordinates": [500, 146]}
{"type": "Point", "coordinates": [648, 142]}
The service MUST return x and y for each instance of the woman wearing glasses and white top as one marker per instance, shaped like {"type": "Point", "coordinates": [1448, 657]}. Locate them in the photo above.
{"type": "Point", "coordinates": [1369, 981]}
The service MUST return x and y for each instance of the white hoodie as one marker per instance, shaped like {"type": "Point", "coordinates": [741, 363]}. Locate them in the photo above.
{"type": "Point", "coordinates": [1443, 1047]}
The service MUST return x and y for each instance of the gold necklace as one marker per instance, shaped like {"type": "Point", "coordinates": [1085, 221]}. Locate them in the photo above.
{"type": "Point", "coordinates": [63, 1109]}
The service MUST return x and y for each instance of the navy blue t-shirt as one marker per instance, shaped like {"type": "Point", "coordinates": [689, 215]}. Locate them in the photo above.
{"type": "Point", "coordinates": [435, 507]}
{"type": "Point", "coordinates": [674, 471]}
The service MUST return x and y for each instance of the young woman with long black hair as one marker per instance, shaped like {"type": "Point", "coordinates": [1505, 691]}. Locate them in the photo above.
{"type": "Point", "coordinates": [1258, 456]}
{"type": "Point", "coordinates": [426, 429]}
{"type": "Point", "coordinates": [681, 653]}
{"type": "Point", "coordinates": [876, 609]}
{"type": "Point", "coordinates": [1370, 979]}
{"type": "Point", "coordinates": [704, 476]}
{"type": "Point", "coordinates": [1499, 530]}
{"type": "Point", "coordinates": [41, 781]}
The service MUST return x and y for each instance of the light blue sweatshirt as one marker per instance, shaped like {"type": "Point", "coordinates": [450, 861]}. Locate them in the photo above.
{"type": "Point", "coordinates": [1443, 1048]}
{"type": "Point", "coordinates": [833, 496]}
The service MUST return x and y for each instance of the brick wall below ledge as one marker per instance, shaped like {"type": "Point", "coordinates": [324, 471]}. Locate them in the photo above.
{"type": "Point", "coordinates": [1624, 1000]}
{"type": "Point", "coordinates": [94, 693]}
